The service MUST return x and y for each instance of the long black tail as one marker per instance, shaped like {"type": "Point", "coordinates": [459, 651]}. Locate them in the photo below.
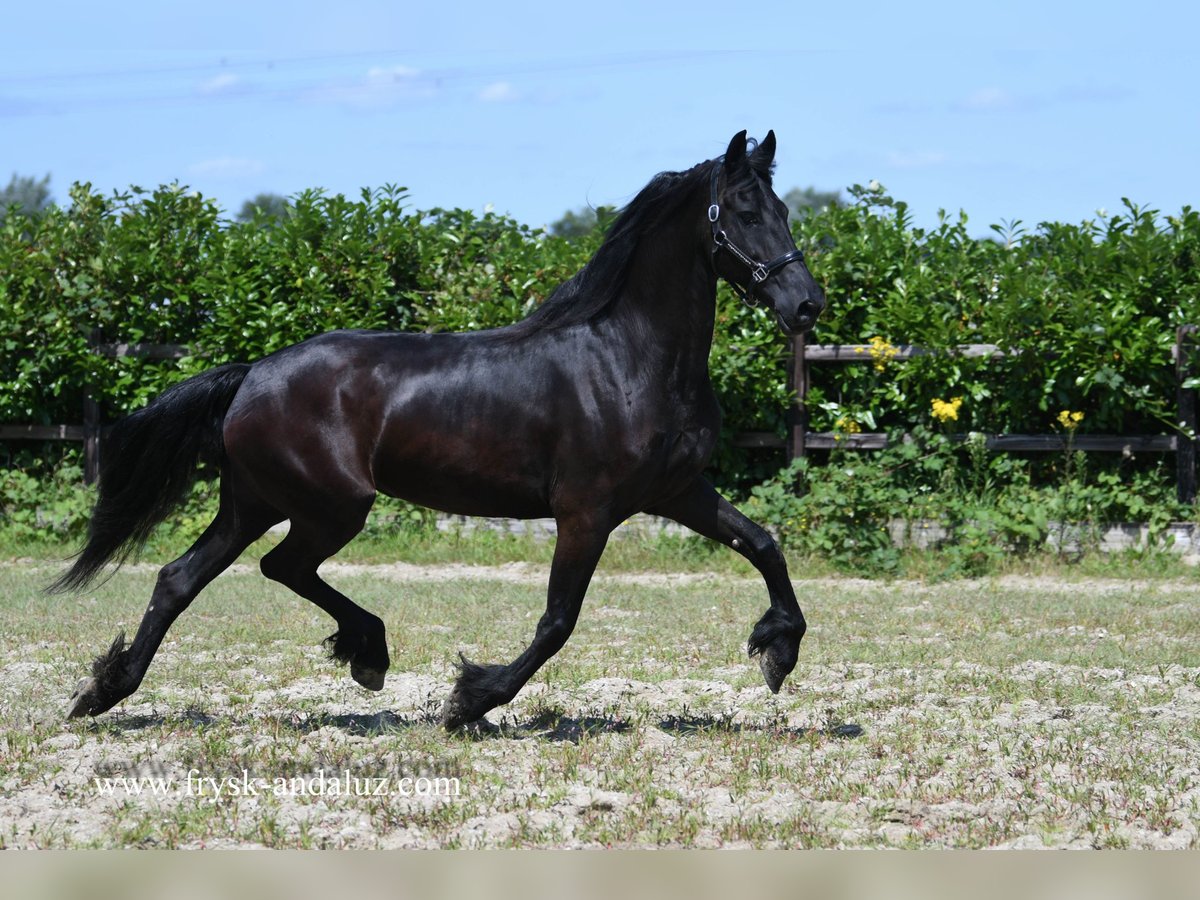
{"type": "Point", "coordinates": [148, 461]}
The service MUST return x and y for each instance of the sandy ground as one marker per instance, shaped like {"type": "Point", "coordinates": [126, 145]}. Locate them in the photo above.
{"type": "Point", "coordinates": [1098, 757]}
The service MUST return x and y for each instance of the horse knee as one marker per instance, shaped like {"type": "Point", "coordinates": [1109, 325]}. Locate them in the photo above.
{"type": "Point", "coordinates": [762, 546]}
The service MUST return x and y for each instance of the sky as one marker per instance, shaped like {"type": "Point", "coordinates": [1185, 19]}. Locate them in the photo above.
{"type": "Point", "coordinates": [1013, 110]}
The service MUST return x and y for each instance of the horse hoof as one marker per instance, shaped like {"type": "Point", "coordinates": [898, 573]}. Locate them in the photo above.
{"type": "Point", "coordinates": [454, 713]}
{"type": "Point", "coordinates": [457, 714]}
{"type": "Point", "coordinates": [771, 672]}
{"type": "Point", "coordinates": [371, 679]}
{"type": "Point", "coordinates": [83, 699]}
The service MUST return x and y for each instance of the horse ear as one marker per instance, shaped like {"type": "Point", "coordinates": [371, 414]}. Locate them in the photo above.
{"type": "Point", "coordinates": [735, 154]}
{"type": "Point", "coordinates": [764, 154]}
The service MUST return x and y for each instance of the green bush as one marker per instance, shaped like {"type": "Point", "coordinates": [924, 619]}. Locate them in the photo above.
{"type": "Point", "coordinates": [973, 506]}
{"type": "Point", "coordinates": [1089, 312]}
{"type": "Point", "coordinates": [54, 508]}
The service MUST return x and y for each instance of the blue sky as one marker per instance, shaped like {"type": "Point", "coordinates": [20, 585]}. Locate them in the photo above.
{"type": "Point", "coordinates": [1008, 110]}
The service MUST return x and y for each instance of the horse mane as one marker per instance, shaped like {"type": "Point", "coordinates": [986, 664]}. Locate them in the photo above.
{"type": "Point", "coordinates": [591, 292]}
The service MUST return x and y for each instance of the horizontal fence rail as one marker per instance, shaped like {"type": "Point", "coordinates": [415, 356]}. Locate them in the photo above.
{"type": "Point", "coordinates": [1113, 443]}
{"type": "Point", "coordinates": [800, 440]}
{"type": "Point", "coordinates": [42, 432]}
{"type": "Point", "coordinates": [145, 351]}
{"type": "Point", "coordinates": [859, 353]}
{"type": "Point", "coordinates": [89, 431]}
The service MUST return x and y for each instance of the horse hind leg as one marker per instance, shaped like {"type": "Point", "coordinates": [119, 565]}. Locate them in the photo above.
{"type": "Point", "coordinates": [119, 671]}
{"type": "Point", "coordinates": [361, 639]}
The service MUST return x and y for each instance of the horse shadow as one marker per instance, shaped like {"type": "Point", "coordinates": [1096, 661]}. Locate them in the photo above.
{"type": "Point", "coordinates": [555, 727]}
{"type": "Point", "coordinates": [549, 726]}
{"type": "Point", "coordinates": [693, 724]}
{"type": "Point", "coordinates": [358, 724]}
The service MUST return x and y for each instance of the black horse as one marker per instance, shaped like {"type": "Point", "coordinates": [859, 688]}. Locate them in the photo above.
{"type": "Point", "coordinates": [596, 406]}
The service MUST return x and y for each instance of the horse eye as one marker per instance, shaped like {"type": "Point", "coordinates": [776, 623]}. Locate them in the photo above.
{"type": "Point", "coordinates": [749, 218]}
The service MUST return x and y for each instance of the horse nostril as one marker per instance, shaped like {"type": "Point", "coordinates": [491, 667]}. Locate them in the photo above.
{"type": "Point", "coordinates": [810, 308]}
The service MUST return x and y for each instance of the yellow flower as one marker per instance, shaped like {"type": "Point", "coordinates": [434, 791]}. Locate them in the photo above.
{"type": "Point", "coordinates": [882, 352]}
{"type": "Point", "coordinates": [945, 410]}
{"type": "Point", "coordinates": [1070, 420]}
{"type": "Point", "coordinates": [847, 425]}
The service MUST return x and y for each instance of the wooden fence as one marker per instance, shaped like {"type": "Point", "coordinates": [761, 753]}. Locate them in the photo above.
{"type": "Point", "coordinates": [89, 431]}
{"type": "Point", "coordinates": [799, 440]}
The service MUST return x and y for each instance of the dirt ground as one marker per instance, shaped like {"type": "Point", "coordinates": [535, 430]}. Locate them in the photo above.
{"type": "Point", "coordinates": [257, 740]}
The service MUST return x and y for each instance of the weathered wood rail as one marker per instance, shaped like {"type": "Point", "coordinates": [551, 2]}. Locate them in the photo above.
{"type": "Point", "coordinates": [800, 440]}
{"type": "Point", "coordinates": [89, 431]}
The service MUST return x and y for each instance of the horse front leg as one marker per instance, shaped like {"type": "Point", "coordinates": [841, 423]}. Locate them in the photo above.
{"type": "Point", "coordinates": [480, 688]}
{"type": "Point", "coordinates": [775, 639]}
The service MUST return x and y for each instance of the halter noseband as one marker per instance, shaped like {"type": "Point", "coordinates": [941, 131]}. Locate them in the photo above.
{"type": "Point", "coordinates": [759, 271]}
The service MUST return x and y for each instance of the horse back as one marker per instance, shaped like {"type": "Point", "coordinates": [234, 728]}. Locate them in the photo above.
{"type": "Point", "coordinates": [472, 423]}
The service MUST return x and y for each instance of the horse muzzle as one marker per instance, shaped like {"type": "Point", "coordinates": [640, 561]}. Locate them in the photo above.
{"type": "Point", "coordinates": [801, 319]}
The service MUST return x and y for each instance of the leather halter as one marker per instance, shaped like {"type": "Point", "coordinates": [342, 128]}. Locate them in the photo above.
{"type": "Point", "coordinates": [759, 271]}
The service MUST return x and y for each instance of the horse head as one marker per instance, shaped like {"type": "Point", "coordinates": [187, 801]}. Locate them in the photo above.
{"type": "Point", "coordinates": [753, 248]}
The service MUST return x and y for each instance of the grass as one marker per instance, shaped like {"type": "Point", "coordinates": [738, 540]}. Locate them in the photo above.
{"type": "Point", "coordinates": [639, 550]}
{"type": "Point", "coordinates": [1056, 708]}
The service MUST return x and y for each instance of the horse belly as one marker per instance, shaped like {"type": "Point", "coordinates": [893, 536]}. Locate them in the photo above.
{"type": "Point", "coordinates": [468, 478]}
{"type": "Point", "coordinates": [452, 495]}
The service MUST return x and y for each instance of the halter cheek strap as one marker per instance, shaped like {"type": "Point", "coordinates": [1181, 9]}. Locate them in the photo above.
{"type": "Point", "coordinates": [759, 271]}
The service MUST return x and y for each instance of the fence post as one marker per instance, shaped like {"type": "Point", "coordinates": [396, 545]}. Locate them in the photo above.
{"type": "Point", "coordinates": [1185, 455]}
{"type": "Point", "coordinates": [91, 424]}
{"type": "Point", "coordinates": [799, 379]}
{"type": "Point", "coordinates": [91, 439]}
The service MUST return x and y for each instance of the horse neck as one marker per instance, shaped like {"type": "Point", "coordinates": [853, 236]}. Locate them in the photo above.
{"type": "Point", "coordinates": [669, 303]}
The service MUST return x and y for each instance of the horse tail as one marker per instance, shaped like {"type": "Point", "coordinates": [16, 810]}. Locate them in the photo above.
{"type": "Point", "coordinates": [148, 462]}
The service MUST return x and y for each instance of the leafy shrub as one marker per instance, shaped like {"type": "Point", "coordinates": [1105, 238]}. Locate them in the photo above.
{"type": "Point", "coordinates": [973, 506]}
{"type": "Point", "coordinates": [33, 509]}
{"type": "Point", "coordinates": [1088, 311]}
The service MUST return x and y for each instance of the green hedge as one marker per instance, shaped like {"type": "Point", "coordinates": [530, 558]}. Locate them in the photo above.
{"type": "Point", "coordinates": [1093, 307]}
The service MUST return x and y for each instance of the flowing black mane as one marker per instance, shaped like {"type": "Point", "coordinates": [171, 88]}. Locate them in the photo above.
{"type": "Point", "coordinates": [589, 293]}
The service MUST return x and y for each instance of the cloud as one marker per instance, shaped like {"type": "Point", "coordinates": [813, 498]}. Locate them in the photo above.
{"type": "Point", "coordinates": [227, 167]}
{"type": "Point", "coordinates": [379, 88]}
{"type": "Point", "coordinates": [225, 83]}
{"type": "Point", "coordinates": [988, 100]}
{"type": "Point", "coordinates": [498, 92]}
{"type": "Point", "coordinates": [922, 159]}
{"type": "Point", "coordinates": [19, 106]}
{"type": "Point", "coordinates": [391, 75]}
{"type": "Point", "coordinates": [996, 99]}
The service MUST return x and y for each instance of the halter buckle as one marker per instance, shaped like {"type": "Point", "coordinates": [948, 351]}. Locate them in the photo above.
{"type": "Point", "coordinates": [760, 274]}
{"type": "Point", "coordinates": [714, 213]}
